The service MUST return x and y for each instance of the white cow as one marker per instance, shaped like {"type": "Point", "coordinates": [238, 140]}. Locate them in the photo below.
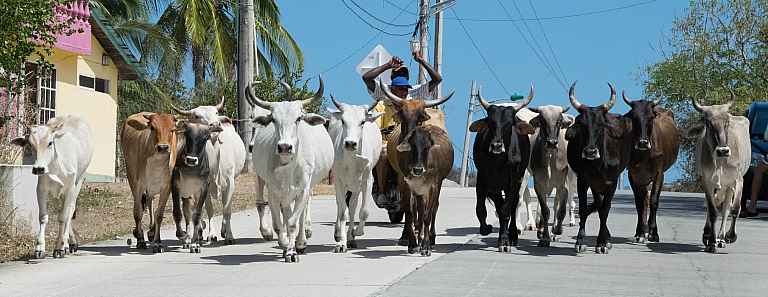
{"type": "Point", "coordinates": [292, 153]}
{"type": "Point", "coordinates": [722, 158]}
{"type": "Point", "coordinates": [357, 142]}
{"type": "Point", "coordinates": [226, 156]}
{"type": "Point", "coordinates": [64, 149]}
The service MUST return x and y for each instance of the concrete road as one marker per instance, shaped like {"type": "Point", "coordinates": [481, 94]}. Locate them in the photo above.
{"type": "Point", "coordinates": [464, 264]}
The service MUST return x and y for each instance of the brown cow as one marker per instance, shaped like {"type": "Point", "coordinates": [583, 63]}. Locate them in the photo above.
{"type": "Point", "coordinates": [422, 155]}
{"type": "Point", "coordinates": [149, 146]}
{"type": "Point", "coordinates": [655, 145]}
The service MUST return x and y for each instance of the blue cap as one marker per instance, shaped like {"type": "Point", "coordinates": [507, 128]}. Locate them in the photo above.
{"type": "Point", "coordinates": [400, 81]}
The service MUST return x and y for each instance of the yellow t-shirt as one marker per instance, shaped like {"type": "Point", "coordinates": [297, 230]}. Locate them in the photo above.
{"type": "Point", "coordinates": [388, 118]}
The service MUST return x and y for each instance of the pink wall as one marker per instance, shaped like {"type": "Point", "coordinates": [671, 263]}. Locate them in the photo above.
{"type": "Point", "coordinates": [77, 42]}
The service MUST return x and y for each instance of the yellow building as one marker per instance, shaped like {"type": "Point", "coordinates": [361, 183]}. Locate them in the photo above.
{"type": "Point", "coordinates": [87, 67]}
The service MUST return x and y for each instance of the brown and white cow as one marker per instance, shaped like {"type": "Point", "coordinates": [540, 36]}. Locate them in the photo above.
{"type": "Point", "coordinates": [149, 146]}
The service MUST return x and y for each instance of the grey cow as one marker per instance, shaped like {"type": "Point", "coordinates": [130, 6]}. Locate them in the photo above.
{"type": "Point", "coordinates": [722, 159]}
{"type": "Point", "coordinates": [550, 169]}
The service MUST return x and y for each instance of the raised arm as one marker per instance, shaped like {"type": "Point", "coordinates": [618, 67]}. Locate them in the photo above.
{"type": "Point", "coordinates": [435, 78]}
{"type": "Point", "coordinates": [370, 77]}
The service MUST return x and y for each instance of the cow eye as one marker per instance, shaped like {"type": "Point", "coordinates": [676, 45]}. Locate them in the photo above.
{"type": "Point", "coordinates": [362, 123]}
{"type": "Point", "coordinates": [50, 143]}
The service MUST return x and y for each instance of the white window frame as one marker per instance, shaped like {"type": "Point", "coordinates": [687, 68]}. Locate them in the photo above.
{"type": "Point", "coordinates": [46, 106]}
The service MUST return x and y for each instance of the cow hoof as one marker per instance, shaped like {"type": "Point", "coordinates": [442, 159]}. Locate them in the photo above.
{"type": "Point", "coordinates": [291, 256]}
{"type": "Point", "coordinates": [194, 249]}
{"type": "Point", "coordinates": [411, 249]}
{"type": "Point", "coordinates": [530, 227]}
{"type": "Point", "coordinates": [720, 244]}
{"type": "Point", "coordinates": [39, 254]}
{"type": "Point", "coordinates": [340, 248]}
{"type": "Point", "coordinates": [142, 245]}
{"type": "Point", "coordinates": [181, 234]}
{"type": "Point", "coordinates": [539, 234]}
{"type": "Point", "coordinates": [519, 232]}
{"type": "Point", "coordinates": [730, 237]}
{"type": "Point", "coordinates": [185, 245]}
{"type": "Point", "coordinates": [352, 244]}
{"type": "Point", "coordinates": [308, 233]}
{"type": "Point", "coordinates": [543, 243]}
{"type": "Point", "coordinates": [58, 254]}
{"type": "Point", "coordinates": [129, 242]}
{"type": "Point", "coordinates": [486, 229]}
{"type": "Point", "coordinates": [555, 238]}
{"type": "Point", "coordinates": [581, 248]}
{"type": "Point", "coordinates": [158, 249]}
{"type": "Point", "coordinates": [402, 241]}
{"type": "Point", "coordinates": [710, 249]}
{"type": "Point", "coordinates": [653, 238]}
{"type": "Point", "coordinates": [557, 230]}
{"type": "Point", "coordinates": [229, 241]}
{"type": "Point", "coordinates": [426, 252]}
{"type": "Point", "coordinates": [601, 249]}
{"type": "Point", "coordinates": [640, 239]}
{"type": "Point", "coordinates": [571, 224]}
{"type": "Point", "coordinates": [213, 238]}
{"type": "Point", "coordinates": [73, 248]}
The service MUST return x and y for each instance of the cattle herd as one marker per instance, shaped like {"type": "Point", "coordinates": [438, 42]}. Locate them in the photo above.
{"type": "Point", "coordinates": [195, 156]}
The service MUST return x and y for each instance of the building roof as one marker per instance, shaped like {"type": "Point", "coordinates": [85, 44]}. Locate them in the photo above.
{"type": "Point", "coordinates": [118, 51]}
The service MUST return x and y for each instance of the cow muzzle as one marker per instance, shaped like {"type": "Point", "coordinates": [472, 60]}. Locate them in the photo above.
{"type": "Point", "coordinates": [590, 153]}
{"type": "Point", "coordinates": [163, 148]}
{"type": "Point", "coordinates": [38, 170]}
{"type": "Point", "coordinates": [496, 148]}
{"type": "Point", "coordinates": [191, 161]}
{"type": "Point", "coordinates": [216, 128]}
{"type": "Point", "coordinates": [723, 151]}
{"type": "Point", "coordinates": [417, 171]}
{"type": "Point", "coordinates": [643, 145]}
{"type": "Point", "coordinates": [284, 148]}
{"type": "Point", "coordinates": [551, 143]}
{"type": "Point", "coordinates": [350, 145]}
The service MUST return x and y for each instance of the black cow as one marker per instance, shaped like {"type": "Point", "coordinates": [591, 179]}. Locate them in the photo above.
{"type": "Point", "coordinates": [501, 154]}
{"type": "Point", "coordinates": [598, 151]}
{"type": "Point", "coordinates": [190, 179]}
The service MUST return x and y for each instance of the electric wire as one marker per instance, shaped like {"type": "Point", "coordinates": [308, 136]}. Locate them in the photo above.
{"type": "Point", "coordinates": [479, 52]}
{"type": "Point", "coordinates": [379, 19]}
{"type": "Point", "coordinates": [546, 39]}
{"type": "Point", "coordinates": [372, 25]}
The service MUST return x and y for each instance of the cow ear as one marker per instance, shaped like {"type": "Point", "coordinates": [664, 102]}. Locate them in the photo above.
{"type": "Point", "coordinates": [571, 132]}
{"type": "Point", "coordinates": [372, 116]}
{"type": "Point", "coordinates": [535, 121]}
{"type": "Point", "coordinates": [225, 119]}
{"type": "Point", "coordinates": [566, 120]}
{"type": "Point", "coordinates": [314, 119]}
{"type": "Point", "coordinates": [695, 131]}
{"type": "Point", "coordinates": [478, 126]}
{"type": "Point", "coordinates": [524, 128]}
{"type": "Point", "coordinates": [263, 120]}
{"type": "Point", "coordinates": [424, 116]}
{"type": "Point", "coordinates": [137, 124]}
{"type": "Point", "coordinates": [403, 147]}
{"type": "Point", "coordinates": [20, 141]}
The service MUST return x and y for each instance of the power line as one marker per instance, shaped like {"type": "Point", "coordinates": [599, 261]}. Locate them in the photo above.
{"type": "Point", "coordinates": [482, 57]}
{"type": "Point", "coordinates": [535, 50]}
{"type": "Point", "coordinates": [557, 62]}
{"type": "Point", "coordinates": [371, 25]}
{"type": "Point", "coordinates": [377, 18]}
{"type": "Point", "coordinates": [509, 19]}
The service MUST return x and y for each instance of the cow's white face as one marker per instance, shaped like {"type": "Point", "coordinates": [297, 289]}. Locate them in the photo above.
{"type": "Point", "coordinates": [42, 139]}
{"type": "Point", "coordinates": [353, 118]}
{"type": "Point", "coordinates": [713, 128]}
{"type": "Point", "coordinates": [207, 115]}
{"type": "Point", "coordinates": [286, 116]}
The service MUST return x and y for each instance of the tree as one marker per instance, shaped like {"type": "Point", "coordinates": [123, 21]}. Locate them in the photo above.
{"type": "Point", "coordinates": [718, 47]}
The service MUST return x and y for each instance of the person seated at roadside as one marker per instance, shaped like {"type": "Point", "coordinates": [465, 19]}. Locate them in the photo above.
{"type": "Point", "coordinates": [399, 86]}
{"type": "Point", "coordinates": [758, 171]}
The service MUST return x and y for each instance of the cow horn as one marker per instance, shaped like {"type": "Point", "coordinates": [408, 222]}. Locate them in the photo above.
{"type": "Point", "coordinates": [220, 106]}
{"type": "Point", "coordinates": [527, 100]}
{"type": "Point", "coordinates": [534, 109]}
{"type": "Point", "coordinates": [612, 101]}
{"type": "Point", "coordinates": [626, 100]}
{"type": "Point", "coordinates": [373, 106]}
{"type": "Point", "coordinates": [438, 101]}
{"type": "Point", "coordinates": [483, 103]}
{"type": "Point", "coordinates": [391, 97]}
{"type": "Point", "coordinates": [317, 95]}
{"type": "Point", "coordinates": [657, 101]}
{"type": "Point", "coordinates": [566, 109]}
{"type": "Point", "coordinates": [181, 111]}
{"type": "Point", "coordinates": [255, 100]}
{"type": "Point", "coordinates": [288, 89]}
{"type": "Point", "coordinates": [572, 95]}
{"type": "Point", "coordinates": [696, 105]}
{"type": "Point", "coordinates": [733, 96]}
{"type": "Point", "coordinates": [337, 103]}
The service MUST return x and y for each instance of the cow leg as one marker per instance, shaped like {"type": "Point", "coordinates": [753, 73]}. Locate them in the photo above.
{"type": "Point", "coordinates": [408, 237]}
{"type": "Point", "coordinates": [340, 232]}
{"type": "Point", "coordinates": [151, 215]}
{"type": "Point", "coordinates": [65, 219]}
{"type": "Point", "coordinates": [226, 210]}
{"type": "Point", "coordinates": [542, 231]}
{"type": "Point", "coordinates": [640, 193]}
{"type": "Point", "coordinates": [294, 218]}
{"type": "Point", "coordinates": [731, 237]}
{"type": "Point", "coordinates": [513, 201]}
{"type": "Point", "coordinates": [177, 206]}
{"type": "Point", "coordinates": [138, 215]}
{"type": "Point", "coordinates": [584, 211]}
{"type": "Point", "coordinates": [725, 213]}
{"type": "Point", "coordinates": [365, 197]}
{"type": "Point", "coordinates": [561, 207]}
{"type": "Point", "coordinates": [301, 237]}
{"type": "Point", "coordinates": [43, 193]}
{"type": "Point", "coordinates": [655, 193]}
{"type": "Point", "coordinates": [307, 221]}
{"type": "Point", "coordinates": [157, 244]}
{"type": "Point", "coordinates": [353, 203]}
{"type": "Point", "coordinates": [194, 246]}
{"type": "Point", "coordinates": [209, 236]}
{"type": "Point", "coordinates": [278, 223]}
{"type": "Point", "coordinates": [503, 214]}
{"type": "Point", "coordinates": [481, 194]}
{"type": "Point", "coordinates": [530, 208]}
{"type": "Point", "coordinates": [421, 223]}
{"type": "Point", "coordinates": [570, 186]}
{"type": "Point", "coordinates": [411, 219]}
{"type": "Point", "coordinates": [261, 207]}
{"type": "Point", "coordinates": [603, 242]}
{"type": "Point", "coordinates": [708, 237]}
{"type": "Point", "coordinates": [187, 209]}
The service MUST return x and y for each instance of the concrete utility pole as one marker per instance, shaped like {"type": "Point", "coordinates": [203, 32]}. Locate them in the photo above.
{"type": "Point", "coordinates": [246, 55]}
{"type": "Point", "coordinates": [438, 46]}
{"type": "Point", "coordinates": [423, 33]}
{"type": "Point", "coordinates": [465, 155]}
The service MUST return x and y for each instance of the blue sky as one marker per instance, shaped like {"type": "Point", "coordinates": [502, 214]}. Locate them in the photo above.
{"type": "Point", "coordinates": [592, 49]}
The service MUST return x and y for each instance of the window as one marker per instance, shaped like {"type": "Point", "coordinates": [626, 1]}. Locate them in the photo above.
{"type": "Point", "coordinates": [97, 84]}
{"type": "Point", "coordinates": [46, 96]}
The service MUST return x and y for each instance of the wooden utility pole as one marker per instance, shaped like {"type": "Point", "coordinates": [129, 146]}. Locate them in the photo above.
{"type": "Point", "coordinates": [246, 56]}
{"type": "Point", "coordinates": [438, 47]}
{"type": "Point", "coordinates": [423, 33]}
{"type": "Point", "coordinates": [465, 152]}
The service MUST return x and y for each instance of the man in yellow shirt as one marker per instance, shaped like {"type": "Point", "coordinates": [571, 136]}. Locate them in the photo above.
{"type": "Point", "coordinates": [399, 86]}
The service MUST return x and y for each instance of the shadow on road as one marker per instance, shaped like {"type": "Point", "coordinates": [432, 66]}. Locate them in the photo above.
{"type": "Point", "coordinates": [463, 231]}
{"type": "Point", "coordinates": [120, 250]}
{"type": "Point", "coordinates": [370, 224]}
{"type": "Point", "coordinates": [244, 259]}
{"type": "Point", "coordinates": [674, 248]}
